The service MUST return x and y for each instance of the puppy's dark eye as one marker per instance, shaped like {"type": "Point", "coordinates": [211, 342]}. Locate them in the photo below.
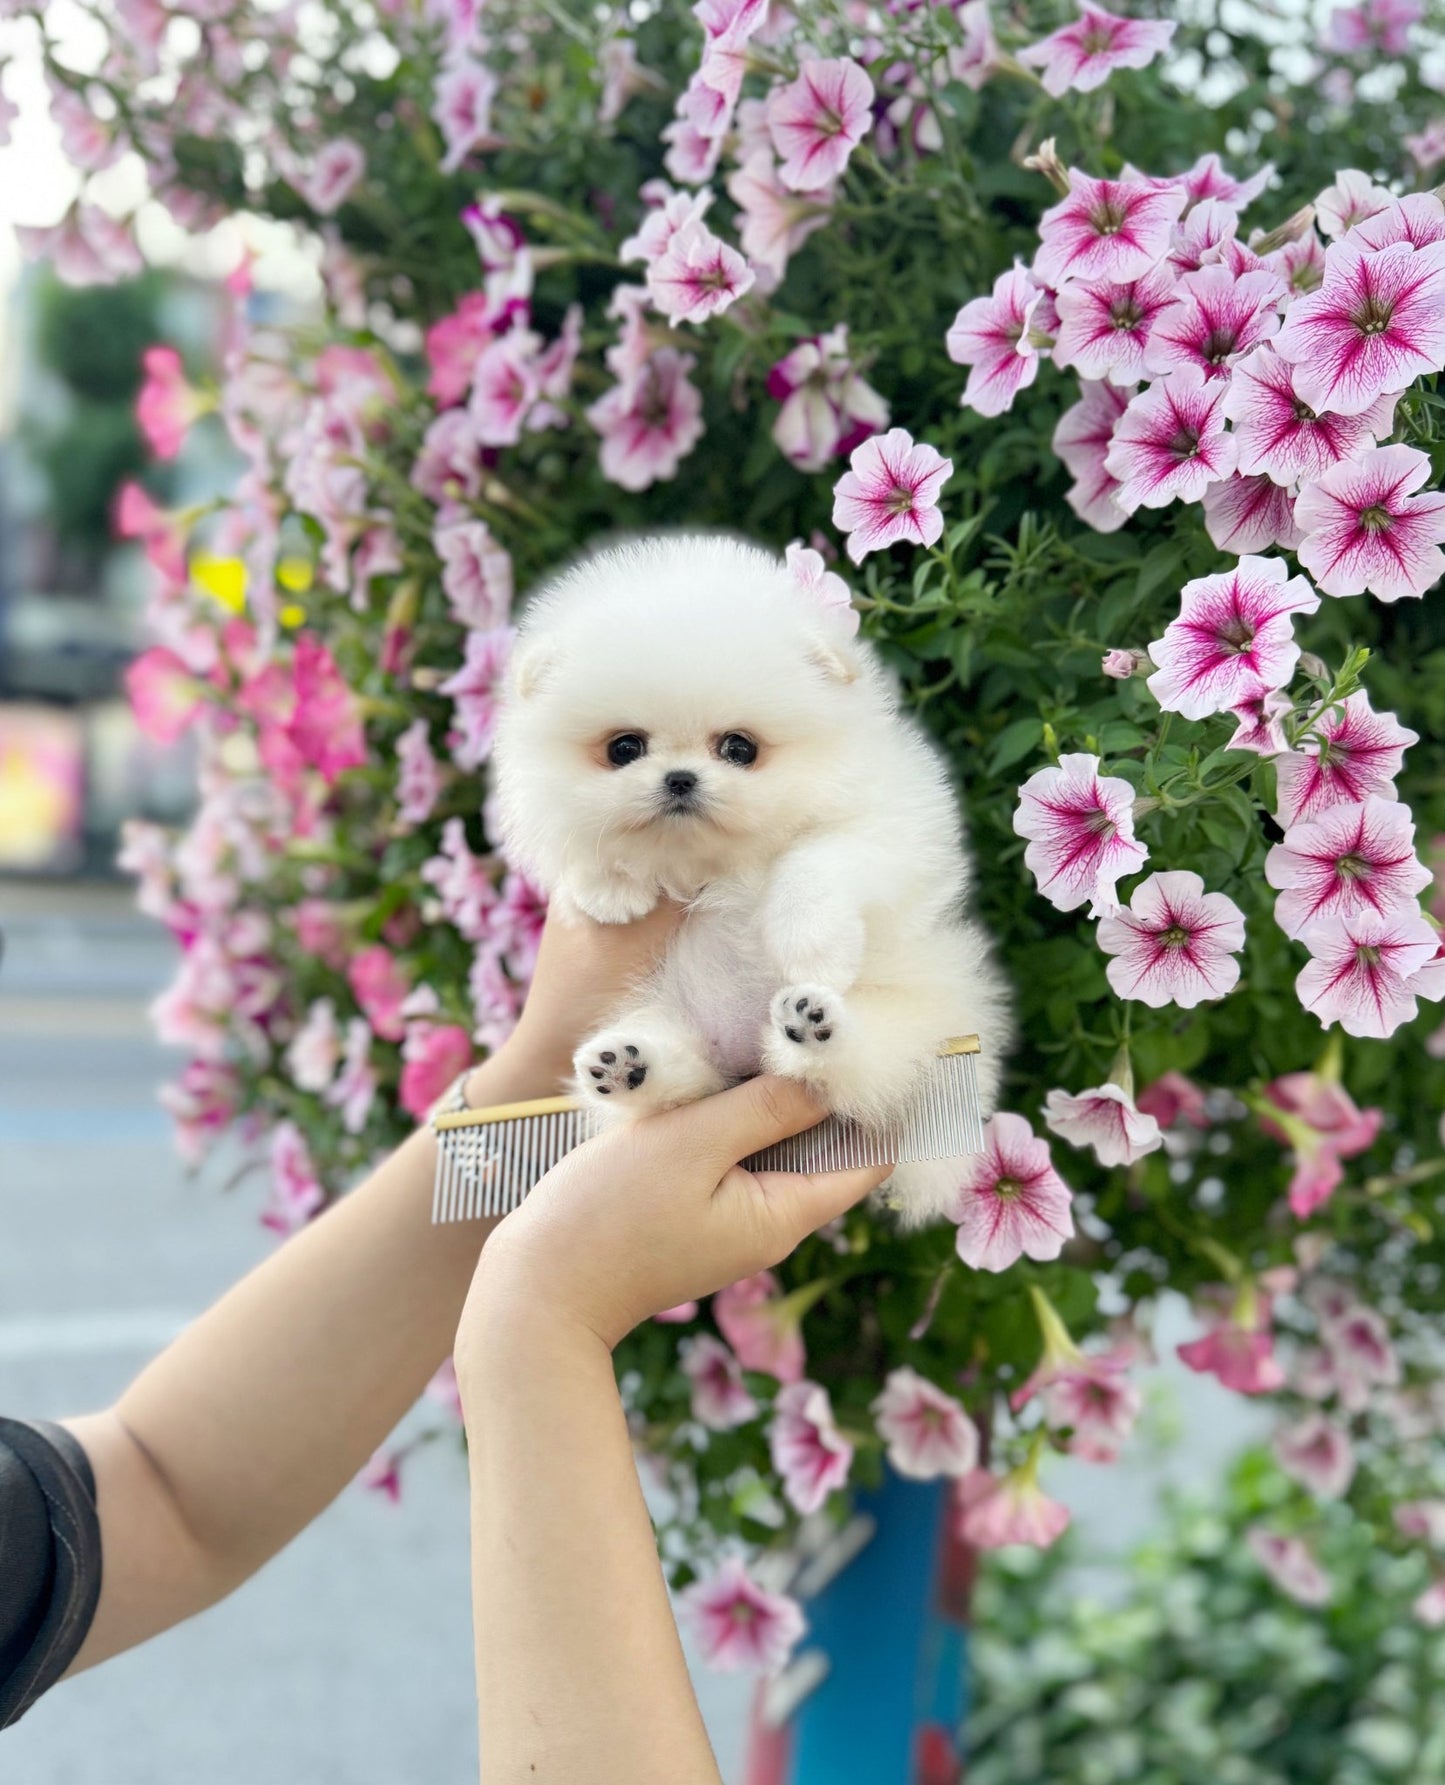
{"type": "Point", "coordinates": [627, 746]}
{"type": "Point", "coordinates": [737, 748]}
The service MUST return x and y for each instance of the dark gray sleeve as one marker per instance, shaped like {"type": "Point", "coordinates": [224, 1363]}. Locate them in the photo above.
{"type": "Point", "coordinates": [49, 1559]}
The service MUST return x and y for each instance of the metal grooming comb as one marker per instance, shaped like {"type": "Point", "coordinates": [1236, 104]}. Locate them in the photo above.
{"type": "Point", "coordinates": [488, 1159]}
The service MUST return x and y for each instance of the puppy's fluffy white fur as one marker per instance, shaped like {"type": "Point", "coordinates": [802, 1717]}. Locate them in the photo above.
{"type": "Point", "coordinates": [825, 879]}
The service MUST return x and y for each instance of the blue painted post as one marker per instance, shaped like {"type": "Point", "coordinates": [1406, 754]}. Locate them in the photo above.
{"type": "Point", "coordinates": [891, 1626]}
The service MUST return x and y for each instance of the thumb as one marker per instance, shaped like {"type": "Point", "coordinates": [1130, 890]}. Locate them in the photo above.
{"type": "Point", "coordinates": [732, 1124]}
{"type": "Point", "coordinates": [802, 1202]}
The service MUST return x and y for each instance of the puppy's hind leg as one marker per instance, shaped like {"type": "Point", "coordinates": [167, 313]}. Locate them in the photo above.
{"type": "Point", "coordinates": [646, 1060]}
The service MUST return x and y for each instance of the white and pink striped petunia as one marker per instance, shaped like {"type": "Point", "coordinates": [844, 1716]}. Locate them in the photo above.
{"type": "Point", "coordinates": [1350, 858]}
{"type": "Point", "coordinates": [1418, 218]}
{"type": "Point", "coordinates": [1011, 1203]}
{"type": "Point", "coordinates": [1369, 968]}
{"type": "Point", "coordinates": [1082, 440]}
{"type": "Point", "coordinates": [1261, 728]}
{"type": "Point", "coordinates": [1290, 1564]}
{"type": "Point", "coordinates": [1080, 830]}
{"type": "Point", "coordinates": [1173, 943]}
{"type": "Point", "coordinates": [1351, 200]}
{"type": "Point", "coordinates": [1105, 1118]}
{"type": "Point", "coordinates": [1250, 514]}
{"type": "Point", "coordinates": [1318, 1453]}
{"type": "Point", "coordinates": [1352, 753]}
{"type": "Point", "coordinates": [818, 120]}
{"type": "Point", "coordinates": [890, 493]}
{"type": "Point", "coordinates": [1280, 435]}
{"type": "Point", "coordinates": [1082, 55]}
{"type": "Point", "coordinates": [1105, 329]}
{"type": "Point", "coordinates": [991, 334]}
{"type": "Point", "coordinates": [1114, 230]}
{"type": "Point", "coordinates": [1234, 636]}
{"type": "Point", "coordinates": [738, 1624]}
{"type": "Point", "coordinates": [1369, 528]}
{"type": "Point", "coordinates": [1214, 320]}
{"type": "Point", "coordinates": [720, 1399]}
{"type": "Point", "coordinates": [1375, 325]}
{"type": "Point", "coordinates": [927, 1432]}
{"type": "Point", "coordinates": [1171, 444]}
{"type": "Point", "coordinates": [809, 1452]}
{"type": "Point", "coordinates": [697, 275]}
{"type": "Point", "coordinates": [997, 1510]}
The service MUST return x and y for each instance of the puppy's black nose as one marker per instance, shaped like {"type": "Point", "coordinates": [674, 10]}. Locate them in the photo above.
{"type": "Point", "coordinates": [679, 782]}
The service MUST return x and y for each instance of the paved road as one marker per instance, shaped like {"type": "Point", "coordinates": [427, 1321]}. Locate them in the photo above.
{"type": "Point", "coordinates": [346, 1662]}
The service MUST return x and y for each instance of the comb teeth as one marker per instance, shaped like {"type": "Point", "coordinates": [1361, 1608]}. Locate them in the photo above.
{"type": "Point", "coordinates": [487, 1161]}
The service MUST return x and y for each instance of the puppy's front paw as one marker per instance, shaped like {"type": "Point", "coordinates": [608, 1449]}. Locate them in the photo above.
{"type": "Point", "coordinates": [611, 1069]}
{"type": "Point", "coordinates": [803, 1031]}
{"type": "Point", "coordinates": [612, 901]}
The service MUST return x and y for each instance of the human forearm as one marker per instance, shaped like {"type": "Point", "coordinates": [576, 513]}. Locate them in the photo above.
{"type": "Point", "coordinates": [580, 1674]}
{"type": "Point", "coordinates": [261, 1412]}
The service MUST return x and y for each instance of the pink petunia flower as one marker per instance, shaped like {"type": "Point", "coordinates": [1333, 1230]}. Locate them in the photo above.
{"type": "Point", "coordinates": [1353, 199]}
{"type": "Point", "coordinates": [1174, 1098]}
{"type": "Point", "coordinates": [1238, 1349]}
{"type": "Point", "coordinates": [1318, 1453]}
{"type": "Point", "coordinates": [454, 342]}
{"type": "Point", "coordinates": [1375, 325]}
{"type": "Point", "coordinates": [449, 465]}
{"type": "Point", "coordinates": [1382, 25]}
{"type": "Point", "coordinates": [1423, 1520]}
{"type": "Point", "coordinates": [1361, 1354]}
{"type": "Point", "coordinates": [505, 387]}
{"type": "Point", "coordinates": [890, 493]}
{"type": "Point", "coordinates": [738, 1625]}
{"type": "Point", "coordinates": [1321, 1124]}
{"type": "Point", "coordinates": [1418, 218]}
{"type": "Point", "coordinates": [773, 222]}
{"type": "Point", "coordinates": [1350, 858]}
{"type": "Point", "coordinates": [991, 334]}
{"type": "Point", "coordinates": [927, 1432]}
{"type": "Point", "coordinates": [1234, 636]}
{"type": "Point", "coordinates": [418, 775]}
{"type": "Point", "coordinates": [381, 1474]}
{"type": "Point", "coordinates": [1351, 753]}
{"type": "Point", "coordinates": [997, 1510]}
{"type": "Point", "coordinates": [1201, 235]}
{"type": "Point", "coordinates": [1280, 435]}
{"type": "Point", "coordinates": [353, 1090]}
{"type": "Point", "coordinates": [1082, 440]}
{"type": "Point", "coordinates": [433, 1055]}
{"type": "Point", "coordinates": [1368, 969]}
{"type": "Point", "coordinates": [1209, 180]}
{"type": "Point", "coordinates": [1173, 943]}
{"type": "Point", "coordinates": [818, 120]}
{"type": "Point", "coordinates": [822, 586]}
{"type": "Point", "coordinates": [697, 275]}
{"type": "Point", "coordinates": [649, 423]}
{"type": "Point", "coordinates": [807, 1449]}
{"type": "Point", "coordinates": [1011, 1202]}
{"type": "Point", "coordinates": [1429, 1607]}
{"type": "Point", "coordinates": [329, 180]}
{"type": "Point", "coordinates": [1427, 147]}
{"type": "Point", "coordinates": [1112, 230]}
{"type": "Point", "coordinates": [1087, 1396]}
{"type": "Point", "coordinates": [1260, 727]}
{"type": "Point", "coordinates": [1301, 263]}
{"type": "Point", "coordinates": [1105, 1118]}
{"type": "Point", "coordinates": [1250, 514]}
{"type": "Point", "coordinates": [167, 405]}
{"type": "Point", "coordinates": [1080, 826]}
{"type": "Point", "coordinates": [977, 57]}
{"type": "Point", "coordinates": [1105, 329]}
{"type": "Point", "coordinates": [1121, 665]}
{"type": "Point", "coordinates": [1214, 320]}
{"type": "Point", "coordinates": [828, 408]}
{"type": "Point", "coordinates": [1083, 55]}
{"type": "Point", "coordinates": [462, 882]}
{"type": "Point", "coordinates": [1170, 443]}
{"type": "Point", "coordinates": [761, 1326]}
{"type": "Point", "coordinates": [380, 987]}
{"type": "Point", "coordinates": [667, 213]}
{"type": "Point", "coordinates": [296, 1195]}
{"type": "Point", "coordinates": [475, 690]}
{"type": "Point", "coordinates": [720, 1399]}
{"type": "Point", "coordinates": [463, 109]}
{"type": "Point", "coordinates": [476, 573]}
{"type": "Point", "coordinates": [1366, 530]}
{"type": "Point", "coordinates": [315, 1049]}
{"type": "Point", "coordinates": [165, 696]}
{"type": "Point", "coordinates": [1290, 1564]}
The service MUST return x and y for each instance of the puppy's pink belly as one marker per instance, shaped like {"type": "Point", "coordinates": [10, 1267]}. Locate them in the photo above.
{"type": "Point", "coordinates": [734, 1039]}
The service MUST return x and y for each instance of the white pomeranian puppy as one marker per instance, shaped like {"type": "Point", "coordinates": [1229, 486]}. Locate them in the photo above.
{"type": "Point", "coordinates": [688, 717]}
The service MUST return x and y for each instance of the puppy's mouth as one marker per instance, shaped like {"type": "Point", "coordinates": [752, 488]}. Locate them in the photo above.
{"type": "Point", "coordinates": [682, 805]}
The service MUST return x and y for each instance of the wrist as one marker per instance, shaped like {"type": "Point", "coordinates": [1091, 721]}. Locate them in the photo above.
{"type": "Point", "coordinates": [515, 1072]}
{"type": "Point", "coordinates": [511, 1335]}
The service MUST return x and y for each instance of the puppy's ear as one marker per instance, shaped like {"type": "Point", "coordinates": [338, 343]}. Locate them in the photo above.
{"type": "Point", "coordinates": [834, 659]}
{"type": "Point", "coordinates": [531, 661]}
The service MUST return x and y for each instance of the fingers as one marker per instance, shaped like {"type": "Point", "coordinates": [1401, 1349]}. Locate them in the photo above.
{"type": "Point", "coordinates": [724, 1128]}
{"type": "Point", "coordinates": [802, 1202]}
